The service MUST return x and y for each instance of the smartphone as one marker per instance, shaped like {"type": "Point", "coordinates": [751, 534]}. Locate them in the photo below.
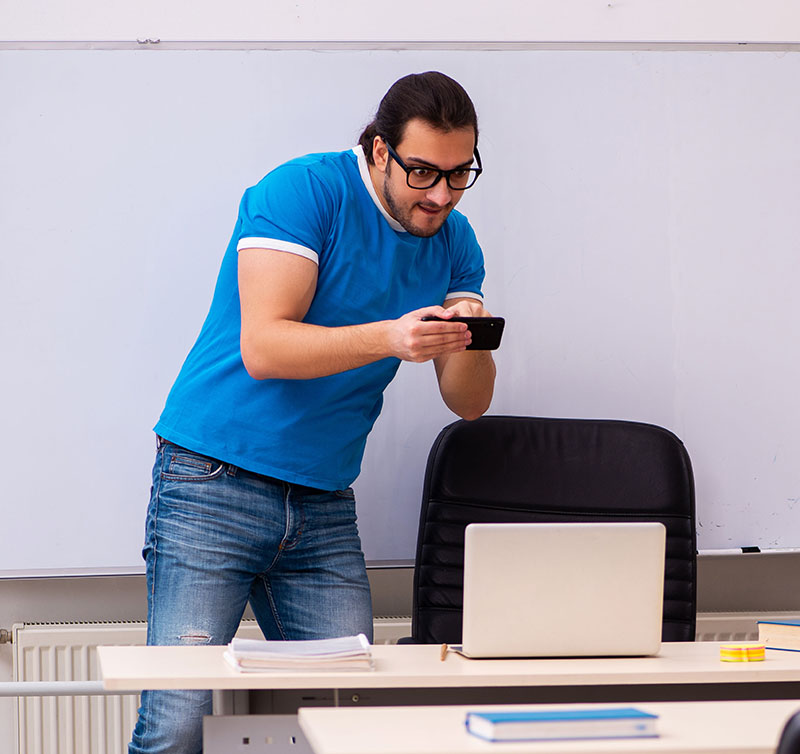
{"type": "Point", "coordinates": [486, 331]}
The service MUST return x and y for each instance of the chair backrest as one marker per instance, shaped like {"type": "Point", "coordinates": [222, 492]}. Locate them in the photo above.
{"type": "Point", "coordinates": [523, 469]}
{"type": "Point", "coordinates": [789, 742]}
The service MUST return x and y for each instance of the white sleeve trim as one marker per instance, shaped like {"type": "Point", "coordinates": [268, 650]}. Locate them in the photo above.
{"type": "Point", "coordinates": [464, 294]}
{"type": "Point", "coordinates": [275, 244]}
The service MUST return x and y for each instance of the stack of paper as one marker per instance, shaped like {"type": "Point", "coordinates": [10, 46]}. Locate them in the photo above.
{"type": "Point", "coordinates": [344, 653]}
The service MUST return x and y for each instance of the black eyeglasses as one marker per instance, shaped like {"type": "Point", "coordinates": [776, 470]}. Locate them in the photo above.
{"type": "Point", "coordinates": [419, 177]}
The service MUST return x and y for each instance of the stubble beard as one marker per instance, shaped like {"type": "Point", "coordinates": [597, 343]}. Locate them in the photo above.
{"type": "Point", "coordinates": [403, 215]}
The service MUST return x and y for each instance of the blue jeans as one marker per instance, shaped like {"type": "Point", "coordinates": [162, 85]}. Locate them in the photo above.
{"type": "Point", "coordinates": [217, 537]}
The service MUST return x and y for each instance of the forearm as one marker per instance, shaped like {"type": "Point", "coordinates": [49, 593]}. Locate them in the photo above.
{"type": "Point", "coordinates": [466, 382]}
{"type": "Point", "coordinates": [279, 347]}
{"type": "Point", "coordinates": [298, 350]}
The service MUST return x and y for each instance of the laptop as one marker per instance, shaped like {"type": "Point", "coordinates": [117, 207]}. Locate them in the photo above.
{"type": "Point", "coordinates": [563, 590]}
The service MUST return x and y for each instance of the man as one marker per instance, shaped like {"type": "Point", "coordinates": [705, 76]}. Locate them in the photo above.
{"type": "Point", "coordinates": [335, 260]}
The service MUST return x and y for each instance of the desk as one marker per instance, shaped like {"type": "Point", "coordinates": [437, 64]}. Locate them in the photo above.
{"type": "Point", "coordinates": [682, 671]}
{"type": "Point", "coordinates": [413, 674]}
{"type": "Point", "coordinates": [685, 728]}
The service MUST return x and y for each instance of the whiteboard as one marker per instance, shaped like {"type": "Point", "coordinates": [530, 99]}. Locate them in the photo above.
{"type": "Point", "coordinates": [638, 214]}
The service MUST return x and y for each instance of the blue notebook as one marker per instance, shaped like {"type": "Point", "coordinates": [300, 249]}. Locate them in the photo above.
{"type": "Point", "coordinates": [549, 725]}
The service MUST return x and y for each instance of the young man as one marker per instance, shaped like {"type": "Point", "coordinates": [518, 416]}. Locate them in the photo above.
{"type": "Point", "coordinates": [335, 260]}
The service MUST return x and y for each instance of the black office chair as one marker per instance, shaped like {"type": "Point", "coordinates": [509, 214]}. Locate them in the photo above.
{"type": "Point", "coordinates": [789, 742]}
{"type": "Point", "coordinates": [523, 469]}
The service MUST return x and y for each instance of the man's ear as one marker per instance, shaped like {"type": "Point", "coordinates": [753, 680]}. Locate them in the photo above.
{"type": "Point", "coordinates": [380, 154]}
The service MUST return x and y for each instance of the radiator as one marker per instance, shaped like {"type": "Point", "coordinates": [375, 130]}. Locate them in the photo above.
{"type": "Point", "coordinates": [67, 724]}
{"type": "Point", "coordinates": [96, 724]}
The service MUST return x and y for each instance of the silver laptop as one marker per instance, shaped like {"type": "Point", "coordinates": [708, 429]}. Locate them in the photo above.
{"type": "Point", "coordinates": [563, 590]}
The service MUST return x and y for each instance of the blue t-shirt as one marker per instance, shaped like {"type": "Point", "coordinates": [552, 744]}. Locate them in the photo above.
{"type": "Point", "coordinates": [313, 431]}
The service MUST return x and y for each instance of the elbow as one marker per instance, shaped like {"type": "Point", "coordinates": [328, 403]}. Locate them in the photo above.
{"type": "Point", "coordinates": [470, 410]}
{"type": "Point", "coordinates": [472, 413]}
{"type": "Point", "coordinates": [471, 406]}
{"type": "Point", "coordinates": [255, 370]}
{"type": "Point", "coordinates": [257, 365]}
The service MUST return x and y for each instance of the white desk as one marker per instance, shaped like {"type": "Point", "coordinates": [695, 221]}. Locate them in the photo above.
{"type": "Point", "coordinates": [682, 664]}
{"type": "Point", "coordinates": [414, 674]}
{"type": "Point", "coordinates": [685, 728]}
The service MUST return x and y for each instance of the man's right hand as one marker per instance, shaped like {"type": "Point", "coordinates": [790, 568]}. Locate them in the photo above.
{"type": "Point", "coordinates": [410, 338]}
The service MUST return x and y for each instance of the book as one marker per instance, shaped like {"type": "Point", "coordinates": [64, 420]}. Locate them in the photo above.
{"type": "Point", "coordinates": [780, 634]}
{"type": "Point", "coordinates": [342, 653]}
{"type": "Point", "coordinates": [548, 725]}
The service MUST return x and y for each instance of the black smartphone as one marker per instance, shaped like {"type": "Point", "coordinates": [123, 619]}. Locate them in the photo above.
{"type": "Point", "coordinates": [486, 331]}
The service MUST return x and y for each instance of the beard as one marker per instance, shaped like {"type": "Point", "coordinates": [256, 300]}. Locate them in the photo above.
{"type": "Point", "coordinates": [403, 214]}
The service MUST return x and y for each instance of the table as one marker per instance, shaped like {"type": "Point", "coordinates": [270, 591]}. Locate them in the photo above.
{"type": "Point", "coordinates": [685, 728]}
{"type": "Point", "coordinates": [262, 703]}
{"type": "Point", "coordinates": [691, 669]}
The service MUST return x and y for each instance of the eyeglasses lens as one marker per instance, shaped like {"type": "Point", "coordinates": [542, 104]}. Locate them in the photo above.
{"type": "Point", "coordinates": [458, 180]}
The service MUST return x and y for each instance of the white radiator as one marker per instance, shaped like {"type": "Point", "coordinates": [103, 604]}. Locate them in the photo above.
{"type": "Point", "coordinates": [71, 724]}
{"type": "Point", "coordinates": [94, 724]}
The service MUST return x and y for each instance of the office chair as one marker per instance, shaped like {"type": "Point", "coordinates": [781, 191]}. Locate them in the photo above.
{"type": "Point", "coordinates": [789, 742]}
{"type": "Point", "coordinates": [523, 469]}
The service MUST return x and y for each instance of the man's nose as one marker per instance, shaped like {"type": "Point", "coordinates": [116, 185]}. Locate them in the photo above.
{"type": "Point", "coordinates": [439, 194]}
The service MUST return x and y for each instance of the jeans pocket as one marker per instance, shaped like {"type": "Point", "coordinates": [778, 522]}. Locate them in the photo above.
{"type": "Point", "coordinates": [188, 466]}
{"type": "Point", "coordinates": [347, 494]}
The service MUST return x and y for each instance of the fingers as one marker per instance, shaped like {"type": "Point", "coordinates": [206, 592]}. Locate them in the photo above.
{"type": "Point", "coordinates": [427, 340]}
{"type": "Point", "coordinates": [418, 340]}
{"type": "Point", "coordinates": [431, 311]}
{"type": "Point", "coordinates": [468, 308]}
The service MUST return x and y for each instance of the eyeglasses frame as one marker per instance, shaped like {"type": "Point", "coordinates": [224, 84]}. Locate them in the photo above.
{"type": "Point", "coordinates": [440, 173]}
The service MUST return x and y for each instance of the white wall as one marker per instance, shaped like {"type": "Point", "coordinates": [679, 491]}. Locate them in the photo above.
{"type": "Point", "coordinates": [704, 21]}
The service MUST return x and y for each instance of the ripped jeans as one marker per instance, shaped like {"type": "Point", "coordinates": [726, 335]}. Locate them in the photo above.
{"type": "Point", "coordinates": [218, 537]}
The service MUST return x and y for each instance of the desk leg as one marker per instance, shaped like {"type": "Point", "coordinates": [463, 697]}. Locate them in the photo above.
{"type": "Point", "coordinates": [230, 702]}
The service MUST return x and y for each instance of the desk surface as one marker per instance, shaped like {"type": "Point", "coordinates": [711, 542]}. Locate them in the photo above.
{"type": "Point", "coordinates": [685, 728]}
{"type": "Point", "coordinates": [418, 666]}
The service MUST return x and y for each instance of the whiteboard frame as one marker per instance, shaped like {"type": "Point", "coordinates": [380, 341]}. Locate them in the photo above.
{"type": "Point", "coordinates": [364, 21]}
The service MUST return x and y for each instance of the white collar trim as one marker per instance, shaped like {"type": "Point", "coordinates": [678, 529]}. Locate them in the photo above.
{"type": "Point", "coordinates": [363, 168]}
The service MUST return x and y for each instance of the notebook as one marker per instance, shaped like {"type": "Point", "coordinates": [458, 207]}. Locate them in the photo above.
{"type": "Point", "coordinates": [563, 590]}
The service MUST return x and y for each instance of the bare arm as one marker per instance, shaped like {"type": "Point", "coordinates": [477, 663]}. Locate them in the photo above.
{"type": "Point", "coordinates": [466, 380]}
{"type": "Point", "coordinates": [276, 289]}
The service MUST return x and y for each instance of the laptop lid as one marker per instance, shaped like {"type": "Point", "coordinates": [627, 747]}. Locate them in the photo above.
{"type": "Point", "coordinates": [563, 590]}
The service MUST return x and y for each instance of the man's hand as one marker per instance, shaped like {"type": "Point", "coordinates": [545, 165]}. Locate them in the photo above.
{"type": "Point", "coordinates": [412, 339]}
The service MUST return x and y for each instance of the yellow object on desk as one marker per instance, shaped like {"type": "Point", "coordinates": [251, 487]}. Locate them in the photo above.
{"type": "Point", "coordinates": [741, 652]}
